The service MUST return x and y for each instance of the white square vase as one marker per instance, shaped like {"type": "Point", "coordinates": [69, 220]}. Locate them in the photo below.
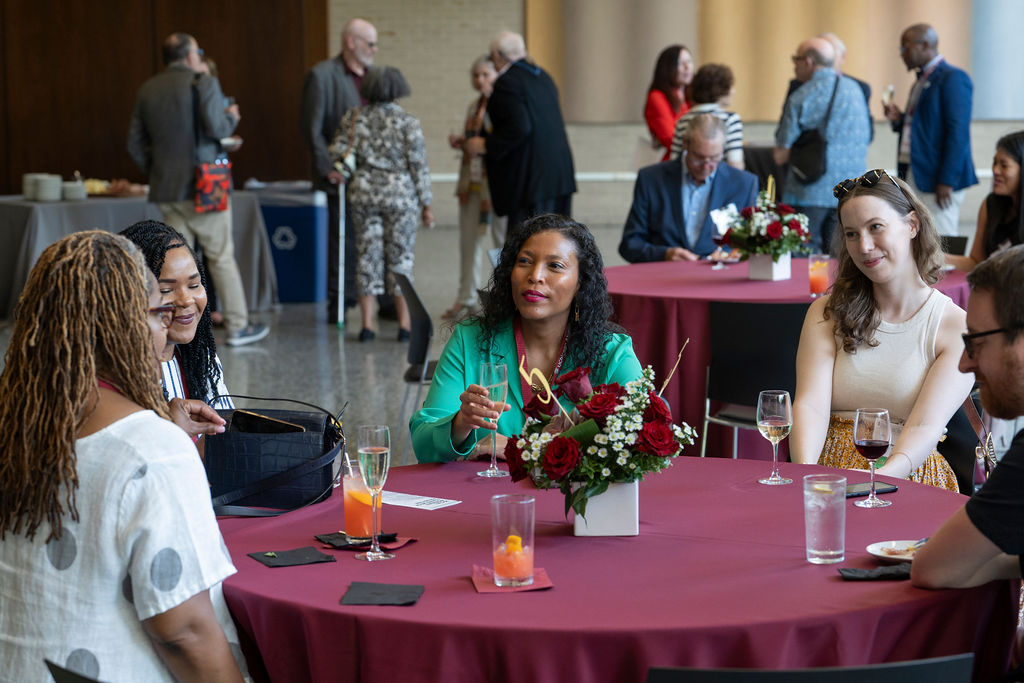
{"type": "Point", "coordinates": [762, 267]}
{"type": "Point", "coordinates": [616, 512]}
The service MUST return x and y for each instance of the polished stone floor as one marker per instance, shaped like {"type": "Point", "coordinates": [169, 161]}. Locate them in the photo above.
{"type": "Point", "coordinates": [305, 358]}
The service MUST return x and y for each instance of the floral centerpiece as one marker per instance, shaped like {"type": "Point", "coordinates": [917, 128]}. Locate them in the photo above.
{"type": "Point", "coordinates": [766, 228]}
{"type": "Point", "coordinates": [614, 434]}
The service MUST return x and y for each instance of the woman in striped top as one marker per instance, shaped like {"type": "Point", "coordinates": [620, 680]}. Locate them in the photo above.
{"type": "Point", "coordinates": [191, 368]}
{"type": "Point", "coordinates": [712, 90]}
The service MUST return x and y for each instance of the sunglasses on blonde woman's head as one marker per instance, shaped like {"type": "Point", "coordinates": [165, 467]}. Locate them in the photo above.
{"type": "Point", "coordinates": [869, 179]}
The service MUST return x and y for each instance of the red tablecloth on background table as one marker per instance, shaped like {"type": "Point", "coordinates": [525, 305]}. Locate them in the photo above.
{"type": "Point", "coordinates": [662, 304]}
{"type": "Point", "coordinates": [717, 577]}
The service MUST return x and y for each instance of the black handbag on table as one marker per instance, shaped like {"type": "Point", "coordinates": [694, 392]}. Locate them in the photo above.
{"type": "Point", "coordinates": [268, 463]}
{"type": "Point", "coordinates": [808, 154]}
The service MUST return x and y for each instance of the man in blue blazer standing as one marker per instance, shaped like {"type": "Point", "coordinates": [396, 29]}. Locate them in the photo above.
{"type": "Point", "coordinates": [674, 202]}
{"type": "Point", "coordinates": [935, 130]}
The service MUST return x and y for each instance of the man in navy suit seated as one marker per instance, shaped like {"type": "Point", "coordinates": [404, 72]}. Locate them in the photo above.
{"type": "Point", "coordinates": [675, 202]}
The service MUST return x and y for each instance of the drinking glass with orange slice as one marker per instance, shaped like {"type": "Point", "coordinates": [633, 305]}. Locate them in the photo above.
{"type": "Point", "coordinates": [358, 521]}
{"type": "Point", "coordinates": [512, 517]}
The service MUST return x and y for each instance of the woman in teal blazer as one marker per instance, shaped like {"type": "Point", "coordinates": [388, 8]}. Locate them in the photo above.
{"type": "Point", "coordinates": [548, 301]}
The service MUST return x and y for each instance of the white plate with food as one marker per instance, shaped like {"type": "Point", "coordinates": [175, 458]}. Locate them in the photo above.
{"type": "Point", "coordinates": [895, 551]}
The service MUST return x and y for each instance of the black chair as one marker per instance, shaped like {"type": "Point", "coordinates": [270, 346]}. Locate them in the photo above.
{"type": "Point", "coordinates": [753, 348]}
{"type": "Point", "coordinates": [952, 669]}
{"type": "Point", "coordinates": [954, 245]}
{"type": "Point", "coordinates": [420, 371]}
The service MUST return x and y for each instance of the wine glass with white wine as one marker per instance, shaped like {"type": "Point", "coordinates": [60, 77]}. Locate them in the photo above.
{"type": "Point", "coordinates": [774, 420]}
{"type": "Point", "coordinates": [494, 378]}
{"type": "Point", "coordinates": [374, 460]}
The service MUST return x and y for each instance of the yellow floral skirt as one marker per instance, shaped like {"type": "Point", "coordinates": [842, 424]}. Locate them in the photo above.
{"type": "Point", "coordinates": [840, 452]}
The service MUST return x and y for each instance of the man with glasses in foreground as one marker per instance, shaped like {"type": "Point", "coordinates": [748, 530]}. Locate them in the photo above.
{"type": "Point", "coordinates": [846, 133]}
{"type": "Point", "coordinates": [984, 540]}
{"type": "Point", "coordinates": [676, 203]}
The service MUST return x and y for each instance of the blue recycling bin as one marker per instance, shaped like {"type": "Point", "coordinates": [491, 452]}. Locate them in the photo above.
{"type": "Point", "coordinates": [297, 226]}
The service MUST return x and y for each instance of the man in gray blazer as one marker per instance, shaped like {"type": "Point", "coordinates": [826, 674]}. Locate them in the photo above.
{"type": "Point", "coordinates": [331, 89]}
{"type": "Point", "coordinates": [163, 142]}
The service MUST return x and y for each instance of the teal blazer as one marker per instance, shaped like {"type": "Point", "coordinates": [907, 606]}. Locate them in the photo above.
{"type": "Point", "coordinates": [459, 367]}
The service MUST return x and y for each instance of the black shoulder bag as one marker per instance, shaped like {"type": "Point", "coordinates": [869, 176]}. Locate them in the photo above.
{"type": "Point", "coordinates": [281, 459]}
{"type": "Point", "coordinates": [807, 156]}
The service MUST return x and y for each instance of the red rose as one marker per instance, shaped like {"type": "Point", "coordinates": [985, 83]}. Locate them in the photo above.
{"type": "Point", "coordinates": [747, 212]}
{"type": "Point", "coordinates": [784, 208]}
{"type": "Point", "coordinates": [561, 457]}
{"type": "Point", "coordinates": [658, 411]}
{"type": "Point", "coordinates": [575, 384]}
{"type": "Point", "coordinates": [536, 408]}
{"type": "Point", "coordinates": [599, 407]}
{"type": "Point", "coordinates": [615, 389]}
{"type": "Point", "coordinates": [656, 438]}
{"type": "Point", "coordinates": [794, 225]}
{"type": "Point", "coordinates": [774, 230]}
{"type": "Point", "coordinates": [514, 458]}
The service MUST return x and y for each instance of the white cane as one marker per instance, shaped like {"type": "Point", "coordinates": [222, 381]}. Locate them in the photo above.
{"type": "Point", "coordinates": [340, 265]}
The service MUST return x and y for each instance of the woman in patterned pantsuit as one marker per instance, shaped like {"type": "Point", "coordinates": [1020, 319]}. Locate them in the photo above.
{"type": "Point", "coordinates": [389, 192]}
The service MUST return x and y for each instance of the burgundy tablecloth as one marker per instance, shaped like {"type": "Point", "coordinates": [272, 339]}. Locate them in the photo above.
{"type": "Point", "coordinates": [663, 304]}
{"type": "Point", "coordinates": [717, 577]}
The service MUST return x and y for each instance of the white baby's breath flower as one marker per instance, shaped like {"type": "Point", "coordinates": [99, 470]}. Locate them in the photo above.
{"type": "Point", "coordinates": [591, 449]}
{"type": "Point", "coordinates": [605, 472]}
{"type": "Point", "coordinates": [601, 438]}
{"type": "Point", "coordinates": [602, 452]}
{"type": "Point", "coordinates": [621, 460]}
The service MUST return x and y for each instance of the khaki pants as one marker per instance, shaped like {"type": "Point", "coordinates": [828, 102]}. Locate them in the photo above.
{"type": "Point", "coordinates": [947, 221]}
{"type": "Point", "coordinates": [212, 231]}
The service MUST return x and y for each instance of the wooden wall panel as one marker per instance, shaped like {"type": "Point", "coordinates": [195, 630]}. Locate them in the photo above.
{"type": "Point", "coordinates": [70, 70]}
{"type": "Point", "coordinates": [70, 73]}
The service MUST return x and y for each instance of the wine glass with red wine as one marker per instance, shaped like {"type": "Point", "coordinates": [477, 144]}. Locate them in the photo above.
{"type": "Point", "coordinates": [871, 437]}
{"type": "Point", "coordinates": [719, 239]}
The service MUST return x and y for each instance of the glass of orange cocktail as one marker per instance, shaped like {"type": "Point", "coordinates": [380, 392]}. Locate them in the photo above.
{"type": "Point", "coordinates": [512, 518]}
{"type": "Point", "coordinates": [817, 273]}
{"type": "Point", "coordinates": [358, 521]}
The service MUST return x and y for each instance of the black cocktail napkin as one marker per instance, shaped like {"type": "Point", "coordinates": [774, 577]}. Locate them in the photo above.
{"type": "Point", "coordinates": [892, 572]}
{"type": "Point", "coordinates": [366, 593]}
{"type": "Point", "coordinates": [292, 558]}
{"type": "Point", "coordinates": [340, 541]}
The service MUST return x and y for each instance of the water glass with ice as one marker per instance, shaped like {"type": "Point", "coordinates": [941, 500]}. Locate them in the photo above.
{"type": "Point", "coordinates": [825, 517]}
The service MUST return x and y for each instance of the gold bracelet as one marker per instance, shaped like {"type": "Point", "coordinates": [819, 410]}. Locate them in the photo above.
{"type": "Point", "coordinates": [912, 468]}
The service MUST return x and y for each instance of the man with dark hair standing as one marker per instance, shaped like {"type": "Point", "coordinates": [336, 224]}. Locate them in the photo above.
{"type": "Point", "coordinates": [824, 93]}
{"type": "Point", "coordinates": [330, 90]}
{"type": "Point", "coordinates": [178, 122]}
{"type": "Point", "coordinates": [529, 162]}
{"type": "Point", "coordinates": [935, 130]}
{"type": "Point", "coordinates": [984, 540]}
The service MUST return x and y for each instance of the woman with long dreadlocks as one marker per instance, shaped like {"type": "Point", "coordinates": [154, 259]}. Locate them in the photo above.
{"type": "Point", "coordinates": [110, 555]}
{"type": "Point", "coordinates": [191, 368]}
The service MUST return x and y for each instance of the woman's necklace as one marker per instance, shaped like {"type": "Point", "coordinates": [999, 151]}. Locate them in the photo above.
{"type": "Point", "coordinates": [534, 385]}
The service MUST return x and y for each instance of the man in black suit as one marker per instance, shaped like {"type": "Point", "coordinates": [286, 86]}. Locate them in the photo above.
{"type": "Point", "coordinates": [529, 163]}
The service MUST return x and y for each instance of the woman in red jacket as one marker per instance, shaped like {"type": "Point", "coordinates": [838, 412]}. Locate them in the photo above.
{"type": "Point", "coordinates": [666, 100]}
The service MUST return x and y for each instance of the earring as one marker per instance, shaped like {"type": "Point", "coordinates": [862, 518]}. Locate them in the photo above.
{"type": "Point", "coordinates": [577, 316]}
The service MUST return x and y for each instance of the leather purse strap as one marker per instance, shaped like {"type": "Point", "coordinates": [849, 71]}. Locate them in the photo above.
{"type": "Point", "coordinates": [974, 418]}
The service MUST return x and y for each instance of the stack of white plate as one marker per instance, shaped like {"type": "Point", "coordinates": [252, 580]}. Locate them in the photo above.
{"type": "Point", "coordinates": [28, 184]}
{"type": "Point", "coordinates": [48, 188]}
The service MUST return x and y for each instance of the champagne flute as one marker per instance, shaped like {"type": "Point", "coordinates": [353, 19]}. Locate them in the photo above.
{"type": "Point", "coordinates": [494, 378]}
{"type": "Point", "coordinates": [374, 459]}
{"type": "Point", "coordinates": [774, 420]}
{"type": "Point", "coordinates": [719, 239]}
{"type": "Point", "coordinates": [871, 436]}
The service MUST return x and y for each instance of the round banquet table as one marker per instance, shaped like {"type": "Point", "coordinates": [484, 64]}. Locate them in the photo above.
{"type": "Point", "coordinates": [662, 304]}
{"type": "Point", "coordinates": [717, 577]}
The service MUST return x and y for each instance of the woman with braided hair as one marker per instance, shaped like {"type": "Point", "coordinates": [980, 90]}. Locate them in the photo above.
{"type": "Point", "coordinates": [191, 368]}
{"type": "Point", "coordinates": [110, 555]}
